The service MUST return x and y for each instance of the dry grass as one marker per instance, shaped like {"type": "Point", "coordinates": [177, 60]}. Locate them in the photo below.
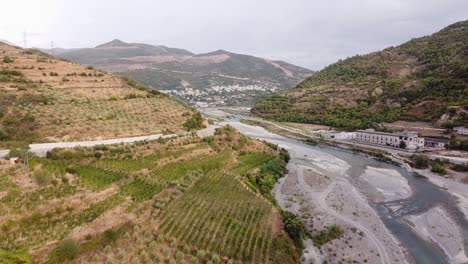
{"type": "Point", "coordinates": [82, 103]}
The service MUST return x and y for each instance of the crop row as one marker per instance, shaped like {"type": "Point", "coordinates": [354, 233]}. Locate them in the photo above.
{"type": "Point", "coordinates": [222, 216]}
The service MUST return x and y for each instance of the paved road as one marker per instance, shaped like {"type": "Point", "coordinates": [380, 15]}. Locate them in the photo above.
{"type": "Point", "coordinates": [42, 148]}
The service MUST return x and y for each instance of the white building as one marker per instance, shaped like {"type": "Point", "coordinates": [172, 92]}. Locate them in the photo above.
{"type": "Point", "coordinates": [461, 130]}
{"type": "Point", "coordinates": [431, 142]}
{"type": "Point", "coordinates": [344, 136]}
{"type": "Point", "coordinates": [410, 139]}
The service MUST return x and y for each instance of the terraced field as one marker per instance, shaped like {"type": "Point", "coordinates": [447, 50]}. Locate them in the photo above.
{"type": "Point", "coordinates": [222, 215]}
{"type": "Point", "coordinates": [178, 200]}
{"type": "Point", "coordinates": [47, 99]}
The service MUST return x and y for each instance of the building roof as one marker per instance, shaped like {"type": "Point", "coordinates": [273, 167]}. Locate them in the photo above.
{"type": "Point", "coordinates": [396, 134]}
{"type": "Point", "coordinates": [438, 140]}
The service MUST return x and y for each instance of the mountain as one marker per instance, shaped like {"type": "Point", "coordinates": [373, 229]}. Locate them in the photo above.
{"type": "Point", "coordinates": [46, 99]}
{"type": "Point", "coordinates": [6, 42]}
{"type": "Point", "coordinates": [425, 79]}
{"type": "Point", "coordinates": [217, 78]}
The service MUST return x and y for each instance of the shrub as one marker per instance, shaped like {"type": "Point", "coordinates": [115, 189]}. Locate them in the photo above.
{"type": "Point", "coordinates": [327, 235]}
{"type": "Point", "coordinates": [195, 122]}
{"type": "Point", "coordinates": [67, 249]}
{"type": "Point", "coordinates": [186, 249]}
{"type": "Point", "coordinates": [295, 228]}
{"type": "Point", "coordinates": [179, 256]}
{"type": "Point", "coordinates": [107, 249]}
{"type": "Point", "coordinates": [420, 161]}
{"type": "Point", "coordinates": [42, 178]}
{"type": "Point", "coordinates": [460, 167]}
{"type": "Point", "coordinates": [201, 254]}
{"type": "Point", "coordinates": [109, 235]}
{"type": "Point", "coordinates": [439, 169]}
{"type": "Point", "coordinates": [120, 255]}
{"type": "Point", "coordinates": [144, 255]}
{"type": "Point", "coordinates": [53, 74]}
{"type": "Point", "coordinates": [152, 245]}
{"type": "Point", "coordinates": [216, 259]}
{"type": "Point", "coordinates": [7, 59]}
{"type": "Point", "coordinates": [148, 234]}
{"type": "Point", "coordinates": [161, 238]}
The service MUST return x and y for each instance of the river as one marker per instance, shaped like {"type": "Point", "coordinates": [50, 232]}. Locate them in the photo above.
{"type": "Point", "coordinates": [341, 164]}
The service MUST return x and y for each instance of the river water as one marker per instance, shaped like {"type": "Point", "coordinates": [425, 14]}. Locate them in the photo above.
{"type": "Point", "coordinates": [425, 195]}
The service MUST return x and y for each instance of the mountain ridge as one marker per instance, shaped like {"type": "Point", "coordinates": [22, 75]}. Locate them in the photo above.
{"type": "Point", "coordinates": [424, 79]}
{"type": "Point", "coordinates": [194, 77]}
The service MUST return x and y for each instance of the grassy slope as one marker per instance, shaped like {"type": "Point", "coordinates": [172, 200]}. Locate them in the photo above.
{"type": "Point", "coordinates": [43, 98]}
{"type": "Point", "coordinates": [419, 80]}
{"type": "Point", "coordinates": [150, 201]}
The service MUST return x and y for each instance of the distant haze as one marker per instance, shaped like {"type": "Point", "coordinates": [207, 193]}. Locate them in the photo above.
{"type": "Point", "coordinates": [308, 33]}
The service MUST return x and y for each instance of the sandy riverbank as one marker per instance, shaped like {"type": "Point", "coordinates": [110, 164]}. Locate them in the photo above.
{"type": "Point", "coordinates": [322, 195]}
{"type": "Point", "coordinates": [389, 183]}
{"type": "Point", "coordinates": [458, 189]}
{"type": "Point", "coordinates": [436, 225]}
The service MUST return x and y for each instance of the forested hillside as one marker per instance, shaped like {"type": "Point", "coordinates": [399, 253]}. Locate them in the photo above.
{"type": "Point", "coordinates": [425, 79]}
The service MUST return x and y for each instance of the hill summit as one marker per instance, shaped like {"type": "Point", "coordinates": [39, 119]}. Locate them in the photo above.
{"type": "Point", "coordinates": [214, 78]}
{"type": "Point", "coordinates": [425, 79]}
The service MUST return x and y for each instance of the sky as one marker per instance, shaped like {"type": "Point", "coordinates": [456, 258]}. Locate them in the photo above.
{"type": "Point", "coordinates": [308, 33]}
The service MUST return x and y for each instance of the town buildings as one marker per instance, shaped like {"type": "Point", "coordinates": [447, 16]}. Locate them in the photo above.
{"type": "Point", "coordinates": [406, 139]}
{"type": "Point", "coordinates": [461, 130]}
{"type": "Point", "coordinates": [433, 142]}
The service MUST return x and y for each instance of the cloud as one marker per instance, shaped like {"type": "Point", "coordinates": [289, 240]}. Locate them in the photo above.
{"type": "Point", "coordinates": [310, 33]}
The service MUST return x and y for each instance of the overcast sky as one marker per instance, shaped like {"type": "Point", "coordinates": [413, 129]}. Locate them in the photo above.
{"type": "Point", "coordinates": [310, 33]}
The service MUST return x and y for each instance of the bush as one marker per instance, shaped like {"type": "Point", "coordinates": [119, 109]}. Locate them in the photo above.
{"type": "Point", "coordinates": [195, 122]}
{"type": "Point", "coordinates": [295, 228]}
{"type": "Point", "coordinates": [201, 254]}
{"type": "Point", "coordinates": [420, 161]}
{"type": "Point", "coordinates": [7, 59]}
{"type": "Point", "coordinates": [439, 169]}
{"type": "Point", "coordinates": [107, 249]}
{"type": "Point", "coordinates": [53, 74]}
{"type": "Point", "coordinates": [67, 249]}
{"type": "Point", "coordinates": [327, 235]}
{"type": "Point", "coordinates": [461, 167]}
{"type": "Point", "coordinates": [109, 235]}
{"type": "Point", "coordinates": [42, 178]}
{"type": "Point", "coordinates": [179, 256]}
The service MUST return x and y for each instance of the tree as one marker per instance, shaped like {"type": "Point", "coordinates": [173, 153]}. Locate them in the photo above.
{"type": "Point", "coordinates": [402, 144]}
{"type": "Point", "coordinates": [295, 228]}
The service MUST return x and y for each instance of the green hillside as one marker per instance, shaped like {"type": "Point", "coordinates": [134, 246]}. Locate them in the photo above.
{"type": "Point", "coordinates": [425, 79]}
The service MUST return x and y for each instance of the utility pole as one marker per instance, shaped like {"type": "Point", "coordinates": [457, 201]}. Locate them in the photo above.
{"type": "Point", "coordinates": [24, 39]}
{"type": "Point", "coordinates": [52, 47]}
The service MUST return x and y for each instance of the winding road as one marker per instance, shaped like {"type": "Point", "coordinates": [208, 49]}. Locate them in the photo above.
{"type": "Point", "coordinates": [41, 149]}
{"type": "Point", "coordinates": [380, 247]}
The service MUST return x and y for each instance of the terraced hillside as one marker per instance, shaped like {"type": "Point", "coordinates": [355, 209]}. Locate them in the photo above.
{"type": "Point", "coordinates": [46, 99]}
{"type": "Point", "coordinates": [165, 201]}
{"type": "Point", "coordinates": [235, 79]}
{"type": "Point", "coordinates": [424, 79]}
